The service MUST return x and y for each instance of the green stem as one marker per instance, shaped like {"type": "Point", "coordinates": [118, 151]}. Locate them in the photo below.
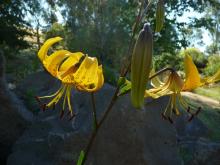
{"type": "Point", "coordinates": [95, 131]}
{"type": "Point", "coordinates": [94, 111]}
{"type": "Point", "coordinates": [161, 71]}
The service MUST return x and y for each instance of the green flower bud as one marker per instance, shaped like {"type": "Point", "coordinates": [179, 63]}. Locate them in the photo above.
{"type": "Point", "coordinates": [160, 15]}
{"type": "Point", "coordinates": [141, 65]}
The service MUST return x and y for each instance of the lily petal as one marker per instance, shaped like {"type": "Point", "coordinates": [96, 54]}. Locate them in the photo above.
{"type": "Point", "coordinates": [192, 80]}
{"type": "Point", "coordinates": [212, 79]}
{"type": "Point", "coordinates": [52, 62]}
{"type": "Point", "coordinates": [155, 82]}
{"type": "Point", "coordinates": [42, 54]}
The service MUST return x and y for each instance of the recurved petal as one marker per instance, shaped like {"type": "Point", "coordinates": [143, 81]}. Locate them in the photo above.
{"type": "Point", "coordinates": [42, 54]}
{"type": "Point", "coordinates": [216, 76]}
{"type": "Point", "coordinates": [150, 94]}
{"type": "Point", "coordinates": [212, 79]}
{"type": "Point", "coordinates": [157, 92]}
{"type": "Point", "coordinates": [53, 62]}
{"type": "Point", "coordinates": [72, 60]}
{"type": "Point", "coordinates": [192, 80]}
{"type": "Point", "coordinates": [100, 79]}
{"type": "Point", "coordinates": [176, 83]}
{"type": "Point", "coordinates": [89, 75]}
{"type": "Point", "coordinates": [83, 74]}
{"type": "Point", "coordinates": [155, 82]}
{"type": "Point", "coordinates": [68, 67]}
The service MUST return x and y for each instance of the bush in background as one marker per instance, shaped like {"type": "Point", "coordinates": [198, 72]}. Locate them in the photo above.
{"type": "Point", "coordinates": [167, 60]}
{"type": "Point", "coordinates": [213, 64]}
{"type": "Point", "coordinates": [198, 57]}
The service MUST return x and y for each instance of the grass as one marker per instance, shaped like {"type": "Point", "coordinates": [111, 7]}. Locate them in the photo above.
{"type": "Point", "coordinates": [209, 91]}
{"type": "Point", "coordinates": [211, 118]}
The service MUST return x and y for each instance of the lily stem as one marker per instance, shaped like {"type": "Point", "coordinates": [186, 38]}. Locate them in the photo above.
{"type": "Point", "coordinates": [95, 131]}
{"type": "Point", "coordinates": [161, 71]}
{"type": "Point", "coordinates": [95, 122]}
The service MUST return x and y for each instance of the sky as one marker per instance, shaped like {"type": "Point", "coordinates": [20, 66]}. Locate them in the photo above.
{"type": "Point", "coordinates": [206, 38]}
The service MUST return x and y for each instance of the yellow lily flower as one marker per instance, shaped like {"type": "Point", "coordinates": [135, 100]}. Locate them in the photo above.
{"type": "Point", "coordinates": [74, 70]}
{"type": "Point", "coordinates": [174, 85]}
{"type": "Point", "coordinates": [193, 79]}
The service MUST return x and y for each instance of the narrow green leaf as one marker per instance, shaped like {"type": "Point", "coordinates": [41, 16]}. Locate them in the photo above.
{"type": "Point", "coordinates": [160, 13]}
{"type": "Point", "coordinates": [121, 81]}
{"type": "Point", "coordinates": [125, 88]}
{"type": "Point", "coordinates": [81, 157]}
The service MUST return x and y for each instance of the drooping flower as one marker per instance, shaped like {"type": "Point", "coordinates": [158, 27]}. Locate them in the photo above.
{"type": "Point", "coordinates": [193, 79]}
{"type": "Point", "coordinates": [74, 70]}
{"type": "Point", "coordinates": [174, 85]}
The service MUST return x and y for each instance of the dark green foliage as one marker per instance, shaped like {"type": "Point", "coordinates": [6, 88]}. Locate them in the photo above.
{"type": "Point", "coordinates": [100, 28]}
{"type": "Point", "coordinates": [110, 75]}
{"type": "Point", "coordinates": [13, 28]}
{"type": "Point", "coordinates": [167, 60]}
{"type": "Point", "coordinates": [103, 28]}
{"type": "Point", "coordinates": [24, 63]}
{"type": "Point", "coordinates": [55, 30]}
{"type": "Point", "coordinates": [198, 57]}
{"type": "Point", "coordinates": [213, 64]}
{"type": "Point", "coordinates": [59, 30]}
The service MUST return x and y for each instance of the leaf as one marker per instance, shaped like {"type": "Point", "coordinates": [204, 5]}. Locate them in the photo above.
{"type": "Point", "coordinates": [81, 157]}
{"type": "Point", "coordinates": [160, 15]}
{"type": "Point", "coordinates": [124, 88]}
{"type": "Point", "coordinates": [121, 81]}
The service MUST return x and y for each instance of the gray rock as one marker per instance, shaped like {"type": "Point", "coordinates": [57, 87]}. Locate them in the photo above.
{"type": "Point", "coordinates": [193, 129]}
{"type": "Point", "coordinates": [14, 116]}
{"type": "Point", "coordinates": [200, 151]}
{"type": "Point", "coordinates": [127, 137]}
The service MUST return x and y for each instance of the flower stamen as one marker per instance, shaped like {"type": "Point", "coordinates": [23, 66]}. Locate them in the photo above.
{"type": "Point", "coordinates": [191, 117]}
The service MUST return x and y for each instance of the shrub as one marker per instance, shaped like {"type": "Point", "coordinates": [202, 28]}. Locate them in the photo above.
{"type": "Point", "coordinates": [110, 75]}
{"type": "Point", "coordinates": [167, 60]}
{"type": "Point", "coordinates": [213, 64]}
{"type": "Point", "coordinates": [199, 58]}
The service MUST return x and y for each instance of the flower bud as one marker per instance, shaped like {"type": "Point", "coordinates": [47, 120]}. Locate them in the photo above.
{"type": "Point", "coordinates": [141, 65]}
{"type": "Point", "coordinates": [160, 15]}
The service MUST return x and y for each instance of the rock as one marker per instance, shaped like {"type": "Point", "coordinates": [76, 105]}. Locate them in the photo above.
{"type": "Point", "coordinates": [194, 142]}
{"type": "Point", "coordinates": [131, 136]}
{"type": "Point", "coordinates": [193, 129]}
{"type": "Point", "coordinates": [127, 137]}
{"type": "Point", "coordinates": [200, 151]}
{"type": "Point", "coordinates": [14, 116]}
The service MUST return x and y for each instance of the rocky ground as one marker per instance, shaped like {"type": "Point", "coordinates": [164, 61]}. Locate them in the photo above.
{"type": "Point", "coordinates": [127, 137]}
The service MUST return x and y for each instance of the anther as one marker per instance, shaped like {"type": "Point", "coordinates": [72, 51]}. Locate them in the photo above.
{"type": "Point", "coordinates": [197, 112]}
{"type": "Point", "coordinates": [43, 107]}
{"type": "Point", "coordinates": [191, 117]}
{"type": "Point", "coordinates": [61, 114]}
{"type": "Point", "coordinates": [54, 104]}
{"type": "Point", "coordinates": [188, 109]}
{"type": "Point", "coordinates": [170, 120]}
{"type": "Point", "coordinates": [69, 113]}
{"type": "Point", "coordinates": [175, 112]}
{"type": "Point", "coordinates": [72, 116]}
{"type": "Point", "coordinates": [163, 116]}
{"type": "Point", "coordinates": [37, 99]}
